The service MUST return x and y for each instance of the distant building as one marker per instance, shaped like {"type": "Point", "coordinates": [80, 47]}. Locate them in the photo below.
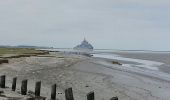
{"type": "Point", "coordinates": [85, 45]}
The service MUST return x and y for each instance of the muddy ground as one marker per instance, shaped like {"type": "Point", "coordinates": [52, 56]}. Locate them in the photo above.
{"type": "Point", "coordinates": [85, 74]}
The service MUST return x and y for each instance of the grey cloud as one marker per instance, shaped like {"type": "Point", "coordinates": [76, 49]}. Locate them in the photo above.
{"type": "Point", "coordinates": [124, 24]}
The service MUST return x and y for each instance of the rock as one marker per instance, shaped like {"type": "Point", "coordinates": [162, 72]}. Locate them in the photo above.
{"type": "Point", "coordinates": [116, 62]}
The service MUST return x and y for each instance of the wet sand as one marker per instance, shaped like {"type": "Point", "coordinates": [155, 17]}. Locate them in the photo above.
{"type": "Point", "coordinates": [86, 74]}
{"type": "Point", "coordinates": [163, 57]}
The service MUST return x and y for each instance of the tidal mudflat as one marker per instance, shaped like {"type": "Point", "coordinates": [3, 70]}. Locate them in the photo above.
{"type": "Point", "coordinates": [84, 74]}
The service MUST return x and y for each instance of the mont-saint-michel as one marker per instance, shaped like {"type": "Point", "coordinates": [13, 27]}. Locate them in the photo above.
{"type": "Point", "coordinates": [85, 45]}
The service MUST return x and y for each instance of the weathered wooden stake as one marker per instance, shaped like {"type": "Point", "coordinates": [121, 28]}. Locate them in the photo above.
{"type": "Point", "coordinates": [69, 94]}
{"type": "Point", "coordinates": [37, 88]}
{"type": "Point", "coordinates": [53, 92]}
{"type": "Point", "coordinates": [24, 87]}
{"type": "Point", "coordinates": [114, 98]}
{"type": "Point", "coordinates": [2, 81]}
{"type": "Point", "coordinates": [90, 96]}
{"type": "Point", "coordinates": [14, 82]}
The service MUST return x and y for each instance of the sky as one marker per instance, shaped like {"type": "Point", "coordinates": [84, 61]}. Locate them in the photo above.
{"type": "Point", "coordinates": [106, 24]}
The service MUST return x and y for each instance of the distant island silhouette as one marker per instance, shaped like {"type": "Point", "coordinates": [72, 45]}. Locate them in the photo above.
{"type": "Point", "coordinates": [85, 45]}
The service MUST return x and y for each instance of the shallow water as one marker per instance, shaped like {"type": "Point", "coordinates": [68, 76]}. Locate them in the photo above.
{"type": "Point", "coordinates": [151, 65]}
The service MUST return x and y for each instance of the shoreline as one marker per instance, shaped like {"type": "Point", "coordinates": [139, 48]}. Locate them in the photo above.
{"type": "Point", "coordinates": [85, 74]}
{"type": "Point", "coordinates": [158, 57]}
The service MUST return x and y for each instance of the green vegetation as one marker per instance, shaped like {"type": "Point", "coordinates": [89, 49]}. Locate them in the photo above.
{"type": "Point", "coordinates": [13, 52]}
{"type": "Point", "coordinates": [16, 50]}
{"type": "Point", "coordinates": [7, 53]}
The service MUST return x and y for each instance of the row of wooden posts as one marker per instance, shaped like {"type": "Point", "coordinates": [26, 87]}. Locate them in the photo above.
{"type": "Point", "coordinates": [68, 92]}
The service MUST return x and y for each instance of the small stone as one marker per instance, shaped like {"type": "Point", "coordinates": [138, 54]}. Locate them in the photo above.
{"type": "Point", "coordinates": [87, 86]}
{"type": "Point", "coordinates": [60, 93]}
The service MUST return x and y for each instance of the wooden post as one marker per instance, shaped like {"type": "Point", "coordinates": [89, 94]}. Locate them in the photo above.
{"type": "Point", "coordinates": [53, 92]}
{"type": "Point", "coordinates": [2, 81]}
{"type": "Point", "coordinates": [114, 98]}
{"type": "Point", "coordinates": [90, 96]}
{"type": "Point", "coordinates": [69, 94]}
{"type": "Point", "coordinates": [14, 84]}
{"type": "Point", "coordinates": [24, 87]}
{"type": "Point", "coordinates": [37, 88]}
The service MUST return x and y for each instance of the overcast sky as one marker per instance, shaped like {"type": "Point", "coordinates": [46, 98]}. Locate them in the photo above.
{"type": "Point", "coordinates": [107, 24]}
